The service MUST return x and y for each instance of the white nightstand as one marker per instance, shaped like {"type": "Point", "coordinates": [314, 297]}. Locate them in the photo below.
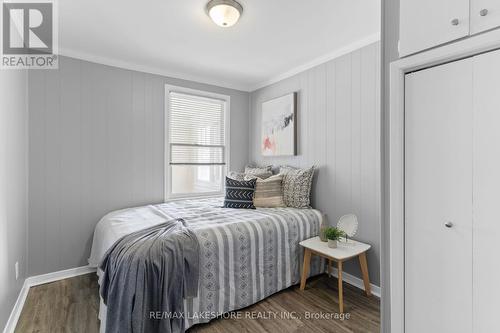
{"type": "Point", "coordinates": [343, 252]}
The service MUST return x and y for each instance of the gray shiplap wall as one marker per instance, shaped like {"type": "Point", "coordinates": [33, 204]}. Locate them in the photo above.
{"type": "Point", "coordinates": [13, 186]}
{"type": "Point", "coordinates": [96, 145]}
{"type": "Point", "coordinates": [339, 132]}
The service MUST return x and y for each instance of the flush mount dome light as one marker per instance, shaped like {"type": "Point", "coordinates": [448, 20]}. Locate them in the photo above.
{"type": "Point", "coordinates": [224, 13]}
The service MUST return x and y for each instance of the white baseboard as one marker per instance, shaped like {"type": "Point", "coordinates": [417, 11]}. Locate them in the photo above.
{"type": "Point", "coordinates": [356, 282]}
{"type": "Point", "coordinates": [59, 275]}
{"type": "Point", "coordinates": [10, 326]}
{"type": "Point", "coordinates": [72, 272]}
{"type": "Point", "coordinates": [35, 281]}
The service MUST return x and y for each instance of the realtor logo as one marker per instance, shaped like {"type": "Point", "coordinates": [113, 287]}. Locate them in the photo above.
{"type": "Point", "coordinates": [29, 35]}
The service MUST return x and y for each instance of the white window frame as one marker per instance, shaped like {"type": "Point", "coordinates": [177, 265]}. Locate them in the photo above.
{"type": "Point", "coordinates": [168, 195]}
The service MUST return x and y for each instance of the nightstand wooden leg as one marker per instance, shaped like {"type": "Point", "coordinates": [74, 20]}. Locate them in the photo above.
{"type": "Point", "coordinates": [305, 268]}
{"type": "Point", "coordinates": [341, 293]}
{"type": "Point", "coordinates": [364, 270]}
{"type": "Point", "coordinates": [329, 267]}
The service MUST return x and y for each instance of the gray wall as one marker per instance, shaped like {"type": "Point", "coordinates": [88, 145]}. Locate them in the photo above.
{"type": "Point", "coordinates": [390, 38]}
{"type": "Point", "coordinates": [13, 185]}
{"type": "Point", "coordinates": [339, 132]}
{"type": "Point", "coordinates": [97, 145]}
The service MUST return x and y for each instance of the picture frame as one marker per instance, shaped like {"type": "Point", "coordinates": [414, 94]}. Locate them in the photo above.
{"type": "Point", "coordinates": [279, 126]}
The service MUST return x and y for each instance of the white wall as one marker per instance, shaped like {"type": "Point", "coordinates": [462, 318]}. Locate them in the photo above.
{"type": "Point", "coordinates": [97, 145]}
{"type": "Point", "coordinates": [13, 185]}
{"type": "Point", "coordinates": [339, 132]}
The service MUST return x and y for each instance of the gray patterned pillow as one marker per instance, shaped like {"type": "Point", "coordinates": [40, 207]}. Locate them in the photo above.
{"type": "Point", "coordinates": [250, 167]}
{"type": "Point", "coordinates": [297, 186]}
{"type": "Point", "coordinates": [259, 172]}
{"type": "Point", "coordinates": [236, 175]}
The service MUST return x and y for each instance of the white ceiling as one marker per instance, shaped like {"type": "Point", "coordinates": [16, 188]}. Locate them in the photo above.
{"type": "Point", "coordinates": [177, 38]}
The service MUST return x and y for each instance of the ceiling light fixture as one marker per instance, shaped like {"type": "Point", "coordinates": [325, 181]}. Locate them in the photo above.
{"type": "Point", "coordinates": [224, 13]}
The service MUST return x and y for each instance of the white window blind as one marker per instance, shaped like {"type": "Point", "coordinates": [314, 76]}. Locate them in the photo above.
{"type": "Point", "coordinates": [197, 144]}
{"type": "Point", "coordinates": [196, 130]}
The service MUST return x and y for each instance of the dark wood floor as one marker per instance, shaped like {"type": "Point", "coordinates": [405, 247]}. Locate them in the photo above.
{"type": "Point", "coordinates": [71, 305]}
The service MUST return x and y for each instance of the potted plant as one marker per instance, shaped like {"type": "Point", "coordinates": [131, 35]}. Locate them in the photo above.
{"type": "Point", "coordinates": [333, 235]}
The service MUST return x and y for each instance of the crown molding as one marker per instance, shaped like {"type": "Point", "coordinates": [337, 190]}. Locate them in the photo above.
{"type": "Point", "coordinates": [220, 83]}
{"type": "Point", "coordinates": [152, 70]}
{"type": "Point", "coordinates": [320, 60]}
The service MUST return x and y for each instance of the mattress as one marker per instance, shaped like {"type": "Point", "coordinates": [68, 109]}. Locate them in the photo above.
{"type": "Point", "coordinates": [246, 255]}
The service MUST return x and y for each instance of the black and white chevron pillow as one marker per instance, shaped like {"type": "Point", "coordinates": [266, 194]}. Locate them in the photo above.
{"type": "Point", "coordinates": [239, 193]}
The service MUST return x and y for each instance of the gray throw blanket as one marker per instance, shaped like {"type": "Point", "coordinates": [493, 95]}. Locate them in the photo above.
{"type": "Point", "coordinates": [146, 277]}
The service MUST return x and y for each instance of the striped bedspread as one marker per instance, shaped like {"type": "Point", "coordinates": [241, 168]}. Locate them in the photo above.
{"type": "Point", "coordinates": [245, 254]}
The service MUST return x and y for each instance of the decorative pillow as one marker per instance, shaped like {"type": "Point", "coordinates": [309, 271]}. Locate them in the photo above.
{"type": "Point", "coordinates": [297, 186]}
{"type": "Point", "coordinates": [269, 192]}
{"type": "Point", "coordinates": [236, 175]}
{"type": "Point", "coordinates": [239, 194]}
{"type": "Point", "coordinates": [260, 172]}
{"type": "Point", "coordinates": [250, 167]}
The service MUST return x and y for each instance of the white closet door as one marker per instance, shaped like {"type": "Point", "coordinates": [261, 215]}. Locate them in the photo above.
{"type": "Point", "coordinates": [484, 15]}
{"type": "Point", "coordinates": [427, 23]}
{"type": "Point", "coordinates": [438, 191]}
{"type": "Point", "coordinates": [486, 235]}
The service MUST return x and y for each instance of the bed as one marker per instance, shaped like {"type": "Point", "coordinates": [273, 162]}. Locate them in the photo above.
{"type": "Point", "coordinates": [246, 255]}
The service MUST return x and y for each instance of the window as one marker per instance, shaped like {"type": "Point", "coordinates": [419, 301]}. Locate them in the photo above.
{"type": "Point", "coordinates": [196, 142]}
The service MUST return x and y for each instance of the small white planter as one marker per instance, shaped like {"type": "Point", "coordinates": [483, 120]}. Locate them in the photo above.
{"type": "Point", "coordinates": [332, 243]}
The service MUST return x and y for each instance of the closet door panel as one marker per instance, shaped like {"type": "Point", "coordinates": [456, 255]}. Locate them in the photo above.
{"type": "Point", "coordinates": [438, 190]}
{"type": "Point", "coordinates": [484, 15]}
{"type": "Point", "coordinates": [427, 23]}
{"type": "Point", "coordinates": [486, 197]}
